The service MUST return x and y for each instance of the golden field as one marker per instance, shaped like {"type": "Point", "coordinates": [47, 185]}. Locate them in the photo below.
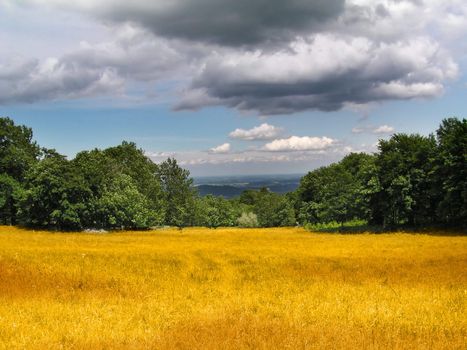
{"type": "Point", "coordinates": [231, 289]}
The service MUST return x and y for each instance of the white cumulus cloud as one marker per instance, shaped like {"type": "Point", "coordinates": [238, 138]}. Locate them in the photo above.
{"type": "Point", "coordinates": [297, 143]}
{"type": "Point", "coordinates": [224, 148]}
{"type": "Point", "coordinates": [383, 129]}
{"type": "Point", "coordinates": [264, 131]}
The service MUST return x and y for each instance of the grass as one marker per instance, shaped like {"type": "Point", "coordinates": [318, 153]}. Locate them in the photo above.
{"type": "Point", "coordinates": [356, 226]}
{"type": "Point", "coordinates": [231, 289]}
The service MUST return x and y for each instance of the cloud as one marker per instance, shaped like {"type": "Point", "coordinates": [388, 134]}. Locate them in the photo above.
{"type": "Point", "coordinates": [296, 143]}
{"type": "Point", "coordinates": [383, 129]}
{"type": "Point", "coordinates": [324, 72]}
{"type": "Point", "coordinates": [226, 22]}
{"type": "Point", "coordinates": [196, 158]}
{"type": "Point", "coordinates": [92, 70]}
{"type": "Point", "coordinates": [261, 132]}
{"type": "Point", "coordinates": [224, 148]}
{"type": "Point", "coordinates": [33, 81]}
{"type": "Point", "coordinates": [268, 57]}
{"type": "Point", "coordinates": [257, 161]}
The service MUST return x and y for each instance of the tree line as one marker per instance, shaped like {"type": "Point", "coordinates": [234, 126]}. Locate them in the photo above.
{"type": "Point", "coordinates": [412, 180]}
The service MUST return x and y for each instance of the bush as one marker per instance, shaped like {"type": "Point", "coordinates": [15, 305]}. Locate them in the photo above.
{"type": "Point", "coordinates": [248, 220]}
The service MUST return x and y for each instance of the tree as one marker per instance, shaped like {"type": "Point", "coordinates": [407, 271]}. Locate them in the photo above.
{"type": "Point", "coordinates": [451, 171]}
{"type": "Point", "coordinates": [130, 160]}
{"type": "Point", "coordinates": [179, 195]}
{"type": "Point", "coordinates": [18, 152]}
{"type": "Point", "coordinates": [408, 194]}
{"type": "Point", "coordinates": [273, 209]}
{"type": "Point", "coordinates": [122, 206]}
{"type": "Point", "coordinates": [215, 212]}
{"type": "Point", "coordinates": [330, 194]}
{"type": "Point", "coordinates": [100, 169]}
{"type": "Point", "coordinates": [55, 195]}
{"type": "Point", "coordinates": [10, 192]}
{"type": "Point", "coordinates": [362, 169]}
{"type": "Point", "coordinates": [249, 197]}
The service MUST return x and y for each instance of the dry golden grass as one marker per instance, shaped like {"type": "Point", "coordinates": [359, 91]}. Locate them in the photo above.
{"type": "Point", "coordinates": [231, 289]}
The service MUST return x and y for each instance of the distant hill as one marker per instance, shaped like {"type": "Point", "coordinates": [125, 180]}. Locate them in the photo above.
{"type": "Point", "coordinates": [232, 186]}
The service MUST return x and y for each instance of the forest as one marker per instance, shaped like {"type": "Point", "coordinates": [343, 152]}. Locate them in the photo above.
{"type": "Point", "coordinates": [411, 181]}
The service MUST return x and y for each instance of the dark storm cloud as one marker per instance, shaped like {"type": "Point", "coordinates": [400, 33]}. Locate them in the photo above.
{"type": "Point", "coordinates": [325, 74]}
{"type": "Point", "coordinates": [227, 22]}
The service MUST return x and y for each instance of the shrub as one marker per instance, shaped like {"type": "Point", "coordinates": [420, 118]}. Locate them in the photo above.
{"type": "Point", "coordinates": [248, 220]}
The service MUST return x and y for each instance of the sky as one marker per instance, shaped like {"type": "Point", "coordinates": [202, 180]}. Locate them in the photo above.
{"type": "Point", "coordinates": [232, 87]}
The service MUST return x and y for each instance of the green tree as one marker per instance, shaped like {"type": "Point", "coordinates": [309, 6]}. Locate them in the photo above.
{"type": "Point", "coordinates": [179, 194]}
{"type": "Point", "coordinates": [55, 195]}
{"type": "Point", "coordinates": [215, 212]}
{"type": "Point", "coordinates": [122, 206]}
{"type": "Point", "coordinates": [101, 168]}
{"type": "Point", "coordinates": [405, 165]}
{"type": "Point", "coordinates": [451, 171]}
{"type": "Point", "coordinates": [18, 152]}
{"type": "Point", "coordinates": [10, 193]}
{"type": "Point", "coordinates": [273, 210]}
{"type": "Point", "coordinates": [133, 162]}
{"type": "Point", "coordinates": [330, 194]}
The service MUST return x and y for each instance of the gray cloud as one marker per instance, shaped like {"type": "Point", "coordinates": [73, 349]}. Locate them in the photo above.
{"type": "Point", "coordinates": [33, 81]}
{"type": "Point", "coordinates": [325, 72]}
{"type": "Point", "coordinates": [93, 70]}
{"type": "Point", "coordinates": [265, 56]}
{"type": "Point", "coordinates": [378, 130]}
{"type": "Point", "coordinates": [226, 22]}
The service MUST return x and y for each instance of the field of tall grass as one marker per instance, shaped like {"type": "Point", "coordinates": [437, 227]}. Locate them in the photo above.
{"type": "Point", "coordinates": [198, 288]}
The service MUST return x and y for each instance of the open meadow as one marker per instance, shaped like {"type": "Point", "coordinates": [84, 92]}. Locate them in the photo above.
{"type": "Point", "coordinates": [281, 288]}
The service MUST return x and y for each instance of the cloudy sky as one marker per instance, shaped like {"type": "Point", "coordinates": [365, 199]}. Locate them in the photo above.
{"type": "Point", "coordinates": [232, 86]}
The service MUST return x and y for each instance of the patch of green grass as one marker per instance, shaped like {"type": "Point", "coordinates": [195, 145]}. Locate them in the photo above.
{"type": "Point", "coordinates": [353, 226]}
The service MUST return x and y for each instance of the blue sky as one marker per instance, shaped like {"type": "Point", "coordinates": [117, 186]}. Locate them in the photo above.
{"type": "Point", "coordinates": [274, 97]}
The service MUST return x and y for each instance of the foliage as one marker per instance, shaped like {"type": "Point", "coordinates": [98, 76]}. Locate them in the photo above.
{"type": "Point", "coordinates": [10, 192]}
{"type": "Point", "coordinates": [215, 212]}
{"type": "Point", "coordinates": [334, 226]}
{"type": "Point", "coordinates": [412, 180]}
{"type": "Point", "coordinates": [248, 220]}
{"type": "Point", "coordinates": [271, 209]}
{"type": "Point", "coordinates": [451, 171]}
{"type": "Point", "coordinates": [55, 195]}
{"type": "Point", "coordinates": [336, 192]}
{"type": "Point", "coordinates": [128, 159]}
{"type": "Point", "coordinates": [404, 166]}
{"type": "Point", "coordinates": [123, 206]}
{"type": "Point", "coordinates": [18, 152]}
{"type": "Point", "coordinates": [103, 169]}
{"type": "Point", "coordinates": [179, 195]}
